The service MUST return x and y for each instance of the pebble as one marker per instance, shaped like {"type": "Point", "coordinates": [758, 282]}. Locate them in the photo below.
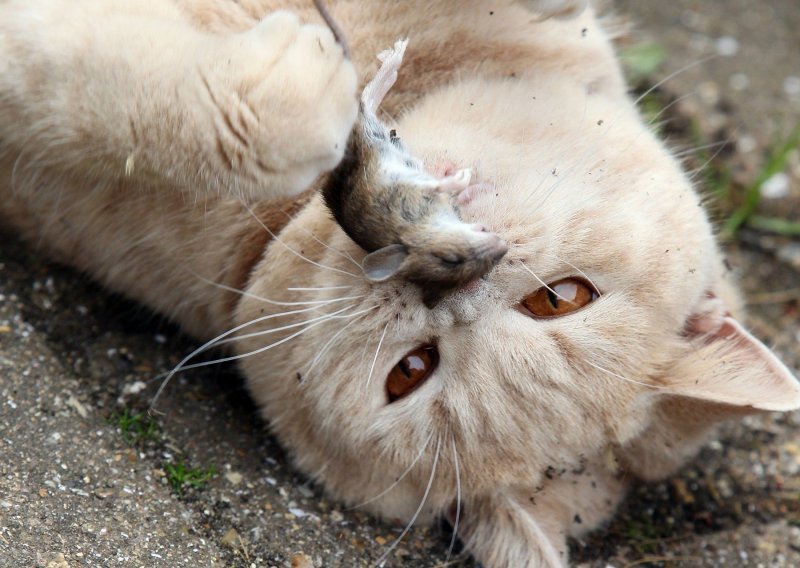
{"type": "Point", "coordinates": [231, 539]}
{"type": "Point", "coordinates": [727, 46]}
{"type": "Point", "coordinates": [776, 186]}
{"type": "Point", "coordinates": [233, 477]}
{"type": "Point", "coordinates": [791, 85]}
{"type": "Point", "coordinates": [301, 560]}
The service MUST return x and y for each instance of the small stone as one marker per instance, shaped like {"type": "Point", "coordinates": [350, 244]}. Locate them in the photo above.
{"type": "Point", "coordinates": [233, 477]}
{"type": "Point", "coordinates": [75, 404]}
{"type": "Point", "coordinates": [776, 186]}
{"type": "Point", "coordinates": [5, 328]}
{"type": "Point", "coordinates": [380, 540]}
{"type": "Point", "coordinates": [231, 539]}
{"type": "Point", "coordinates": [727, 46]}
{"type": "Point", "coordinates": [51, 560]}
{"type": "Point", "coordinates": [791, 85]}
{"type": "Point", "coordinates": [301, 560]}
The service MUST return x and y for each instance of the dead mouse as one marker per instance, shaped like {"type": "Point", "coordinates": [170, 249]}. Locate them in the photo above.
{"type": "Point", "coordinates": [407, 219]}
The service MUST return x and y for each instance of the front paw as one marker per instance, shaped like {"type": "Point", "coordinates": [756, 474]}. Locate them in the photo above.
{"type": "Point", "coordinates": [285, 102]}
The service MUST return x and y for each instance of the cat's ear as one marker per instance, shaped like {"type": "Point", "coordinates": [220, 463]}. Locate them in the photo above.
{"type": "Point", "coordinates": [728, 365]}
{"type": "Point", "coordinates": [384, 263]}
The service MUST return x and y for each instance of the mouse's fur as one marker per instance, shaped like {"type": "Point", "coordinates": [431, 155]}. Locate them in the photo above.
{"type": "Point", "coordinates": [406, 218]}
{"type": "Point", "coordinates": [126, 126]}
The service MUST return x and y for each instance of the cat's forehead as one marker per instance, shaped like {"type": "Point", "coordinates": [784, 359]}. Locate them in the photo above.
{"type": "Point", "coordinates": [579, 180]}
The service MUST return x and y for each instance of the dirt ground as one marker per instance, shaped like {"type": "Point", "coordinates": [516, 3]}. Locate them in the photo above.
{"type": "Point", "coordinates": [83, 485]}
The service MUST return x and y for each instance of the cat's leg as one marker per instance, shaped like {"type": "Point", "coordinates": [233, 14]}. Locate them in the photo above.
{"type": "Point", "coordinates": [132, 89]}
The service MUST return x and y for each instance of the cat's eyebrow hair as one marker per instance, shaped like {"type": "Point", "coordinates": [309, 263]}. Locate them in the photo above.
{"type": "Point", "coordinates": [568, 263]}
{"type": "Point", "coordinates": [557, 295]}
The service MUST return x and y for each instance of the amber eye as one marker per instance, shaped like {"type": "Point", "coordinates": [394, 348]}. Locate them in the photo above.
{"type": "Point", "coordinates": [411, 371]}
{"type": "Point", "coordinates": [560, 298]}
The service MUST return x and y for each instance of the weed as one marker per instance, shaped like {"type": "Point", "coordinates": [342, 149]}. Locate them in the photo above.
{"type": "Point", "coordinates": [745, 212]}
{"type": "Point", "coordinates": [135, 427]}
{"type": "Point", "coordinates": [179, 475]}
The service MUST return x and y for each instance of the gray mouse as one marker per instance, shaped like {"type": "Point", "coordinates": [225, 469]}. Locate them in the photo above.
{"type": "Point", "coordinates": [406, 219]}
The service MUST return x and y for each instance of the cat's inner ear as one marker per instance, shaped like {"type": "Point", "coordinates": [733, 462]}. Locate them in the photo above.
{"type": "Point", "coordinates": [726, 364]}
{"type": "Point", "coordinates": [384, 263]}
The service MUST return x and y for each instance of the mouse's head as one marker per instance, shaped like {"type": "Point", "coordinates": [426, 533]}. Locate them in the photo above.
{"type": "Point", "coordinates": [602, 335]}
{"type": "Point", "coordinates": [440, 253]}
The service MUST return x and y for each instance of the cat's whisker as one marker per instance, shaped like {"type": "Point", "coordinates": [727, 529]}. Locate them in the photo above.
{"type": "Point", "coordinates": [293, 251]}
{"type": "Point", "coordinates": [620, 377]}
{"type": "Point", "coordinates": [274, 302]}
{"type": "Point", "coordinates": [458, 501]}
{"type": "Point", "coordinates": [309, 289]}
{"type": "Point", "coordinates": [694, 173]}
{"type": "Point", "coordinates": [672, 75]}
{"type": "Point", "coordinates": [184, 367]}
{"type": "Point", "coordinates": [331, 315]}
{"type": "Point", "coordinates": [400, 478]}
{"type": "Point", "coordinates": [556, 294]}
{"type": "Point", "coordinates": [343, 254]}
{"type": "Point", "coordinates": [382, 560]}
{"type": "Point", "coordinates": [213, 342]}
{"type": "Point", "coordinates": [255, 351]}
{"type": "Point", "coordinates": [375, 359]}
{"type": "Point", "coordinates": [575, 268]}
{"type": "Point", "coordinates": [689, 151]}
{"type": "Point", "coordinates": [327, 345]}
{"type": "Point", "coordinates": [668, 106]}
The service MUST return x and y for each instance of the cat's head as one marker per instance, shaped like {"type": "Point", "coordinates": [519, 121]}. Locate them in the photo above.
{"type": "Point", "coordinates": [506, 384]}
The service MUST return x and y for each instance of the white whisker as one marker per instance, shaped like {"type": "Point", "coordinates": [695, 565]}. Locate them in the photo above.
{"type": "Point", "coordinates": [399, 479]}
{"type": "Point", "coordinates": [557, 295]}
{"type": "Point", "coordinates": [578, 270]}
{"type": "Point", "coordinates": [381, 561]}
{"type": "Point", "coordinates": [290, 249]}
{"type": "Point", "coordinates": [308, 289]}
{"type": "Point", "coordinates": [620, 377]}
{"type": "Point", "coordinates": [374, 359]}
{"type": "Point", "coordinates": [273, 302]}
{"type": "Point", "coordinates": [458, 502]}
{"type": "Point", "coordinates": [212, 342]}
{"type": "Point", "coordinates": [331, 315]}
{"type": "Point", "coordinates": [332, 339]}
{"type": "Point", "coordinates": [672, 76]}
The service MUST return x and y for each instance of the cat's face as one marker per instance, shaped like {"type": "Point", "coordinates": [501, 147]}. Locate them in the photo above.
{"type": "Point", "coordinates": [505, 398]}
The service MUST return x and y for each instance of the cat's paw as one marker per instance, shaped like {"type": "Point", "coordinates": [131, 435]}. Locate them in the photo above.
{"type": "Point", "coordinates": [284, 99]}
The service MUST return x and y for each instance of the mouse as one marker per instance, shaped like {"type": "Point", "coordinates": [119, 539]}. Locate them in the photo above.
{"type": "Point", "coordinates": [407, 219]}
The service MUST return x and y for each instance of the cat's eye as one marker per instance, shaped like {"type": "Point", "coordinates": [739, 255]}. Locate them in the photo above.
{"type": "Point", "coordinates": [560, 298]}
{"type": "Point", "coordinates": [411, 371]}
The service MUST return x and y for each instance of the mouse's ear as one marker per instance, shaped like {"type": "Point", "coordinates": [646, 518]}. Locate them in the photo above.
{"type": "Point", "coordinates": [384, 263]}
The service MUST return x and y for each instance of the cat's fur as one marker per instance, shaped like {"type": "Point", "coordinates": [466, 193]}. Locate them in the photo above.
{"type": "Point", "coordinates": [131, 130]}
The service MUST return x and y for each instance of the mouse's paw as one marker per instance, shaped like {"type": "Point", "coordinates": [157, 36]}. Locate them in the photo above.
{"type": "Point", "coordinates": [455, 183]}
{"type": "Point", "coordinates": [466, 196]}
{"type": "Point", "coordinates": [385, 78]}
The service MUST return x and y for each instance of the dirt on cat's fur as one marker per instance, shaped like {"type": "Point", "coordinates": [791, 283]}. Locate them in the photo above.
{"type": "Point", "coordinates": [84, 484]}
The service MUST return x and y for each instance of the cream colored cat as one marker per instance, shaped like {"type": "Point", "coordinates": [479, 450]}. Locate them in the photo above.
{"type": "Point", "coordinates": [157, 144]}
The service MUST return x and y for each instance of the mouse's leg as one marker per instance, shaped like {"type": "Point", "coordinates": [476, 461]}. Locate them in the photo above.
{"type": "Point", "coordinates": [386, 76]}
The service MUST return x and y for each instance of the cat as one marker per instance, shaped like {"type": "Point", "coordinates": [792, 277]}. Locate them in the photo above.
{"type": "Point", "coordinates": [174, 150]}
